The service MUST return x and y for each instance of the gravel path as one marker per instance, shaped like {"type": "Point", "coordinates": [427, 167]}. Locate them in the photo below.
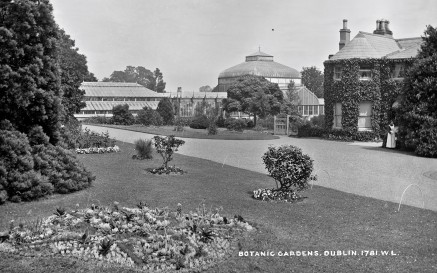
{"type": "Point", "coordinates": [361, 168]}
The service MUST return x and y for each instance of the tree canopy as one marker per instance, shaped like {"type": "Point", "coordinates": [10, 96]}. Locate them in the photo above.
{"type": "Point", "coordinates": [417, 114]}
{"type": "Point", "coordinates": [205, 88]}
{"type": "Point", "coordinates": [313, 79]}
{"type": "Point", "coordinates": [151, 80]}
{"type": "Point", "coordinates": [74, 71]}
{"type": "Point", "coordinates": [30, 92]}
{"type": "Point", "coordinates": [254, 95]}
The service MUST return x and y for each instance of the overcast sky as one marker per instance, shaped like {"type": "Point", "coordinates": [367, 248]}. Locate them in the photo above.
{"type": "Point", "coordinates": [192, 41]}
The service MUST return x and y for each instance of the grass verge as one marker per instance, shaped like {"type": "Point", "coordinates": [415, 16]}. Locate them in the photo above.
{"type": "Point", "coordinates": [328, 220]}
{"type": "Point", "coordinates": [195, 133]}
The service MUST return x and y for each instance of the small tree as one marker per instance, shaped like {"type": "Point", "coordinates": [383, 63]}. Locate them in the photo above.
{"type": "Point", "coordinates": [289, 167]}
{"type": "Point", "coordinates": [166, 147]}
{"type": "Point", "coordinates": [121, 115]}
{"type": "Point", "coordinates": [165, 109]}
{"type": "Point", "coordinates": [144, 149]}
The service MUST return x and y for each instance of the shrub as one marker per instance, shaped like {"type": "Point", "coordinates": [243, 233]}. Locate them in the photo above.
{"type": "Point", "coordinates": [61, 168]}
{"type": "Point", "coordinates": [308, 130]}
{"type": "Point", "coordinates": [165, 109]}
{"type": "Point", "coordinates": [220, 122]}
{"type": "Point", "coordinates": [31, 172]}
{"type": "Point", "coordinates": [318, 121]}
{"type": "Point", "coordinates": [148, 116]}
{"type": "Point", "coordinates": [98, 120]}
{"type": "Point", "coordinates": [235, 124]}
{"type": "Point", "coordinates": [250, 124]}
{"type": "Point", "coordinates": [289, 167]}
{"type": "Point", "coordinates": [180, 123]}
{"type": "Point", "coordinates": [200, 122]}
{"type": "Point", "coordinates": [121, 115]}
{"type": "Point", "coordinates": [144, 149]}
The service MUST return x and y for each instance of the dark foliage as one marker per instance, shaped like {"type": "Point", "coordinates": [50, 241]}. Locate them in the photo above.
{"type": "Point", "coordinates": [121, 115]}
{"type": "Point", "coordinates": [235, 124]}
{"type": "Point", "coordinates": [165, 109]}
{"type": "Point", "coordinates": [144, 149]}
{"type": "Point", "coordinates": [31, 172]}
{"type": "Point", "coordinates": [148, 116]}
{"type": "Point", "coordinates": [200, 122]}
{"type": "Point", "coordinates": [30, 92]}
{"type": "Point", "coordinates": [418, 110]}
{"type": "Point", "coordinates": [289, 167]}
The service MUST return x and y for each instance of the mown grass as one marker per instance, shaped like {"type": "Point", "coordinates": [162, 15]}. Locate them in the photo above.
{"type": "Point", "coordinates": [327, 220]}
{"type": "Point", "coordinates": [195, 133]}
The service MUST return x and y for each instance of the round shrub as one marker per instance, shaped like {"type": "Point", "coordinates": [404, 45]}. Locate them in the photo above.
{"type": "Point", "coordinates": [235, 124]}
{"type": "Point", "coordinates": [200, 122]}
{"type": "Point", "coordinates": [250, 124]}
{"type": "Point", "coordinates": [289, 167]}
{"type": "Point", "coordinates": [212, 128]}
{"type": "Point", "coordinates": [149, 117]}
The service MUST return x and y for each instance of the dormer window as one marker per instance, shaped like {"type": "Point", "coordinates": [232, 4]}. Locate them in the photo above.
{"type": "Point", "coordinates": [365, 73]}
{"type": "Point", "coordinates": [337, 73]}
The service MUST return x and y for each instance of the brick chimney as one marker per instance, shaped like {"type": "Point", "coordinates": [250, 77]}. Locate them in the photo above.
{"type": "Point", "coordinates": [382, 28]}
{"type": "Point", "coordinates": [345, 35]}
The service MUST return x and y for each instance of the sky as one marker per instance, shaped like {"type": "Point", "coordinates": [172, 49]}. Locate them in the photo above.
{"type": "Point", "coordinates": [192, 41]}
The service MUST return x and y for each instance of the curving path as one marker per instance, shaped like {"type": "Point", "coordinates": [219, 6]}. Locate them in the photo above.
{"type": "Point", "coordinates": [361, 168]}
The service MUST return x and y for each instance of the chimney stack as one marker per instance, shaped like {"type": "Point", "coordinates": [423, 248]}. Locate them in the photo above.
{"type": "Point", "coordinates": [382, 28]}
{"type": "Point", "coordinates": [345, 35]}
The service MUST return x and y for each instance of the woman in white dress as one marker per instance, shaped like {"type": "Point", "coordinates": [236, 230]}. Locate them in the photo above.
{"type": "Point", "coordinates": [391, 137]}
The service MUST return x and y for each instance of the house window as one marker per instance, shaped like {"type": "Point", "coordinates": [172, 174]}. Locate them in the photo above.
{"type": "Point", "coordinates": [321, 109]}
{"type": "Point", "coordinates": [337, 115]}
{"type": "Point", "coordinates": [316, 110]}
{"type": "Point", "coordinates": [365, 116]}
{"type": "Point", "coordinates": [398, 71]}
{"type": "Point", "coordinates": [365, 73]}
{"type": "Point", "coordinates": [337, 73]}
{"type": "Point", "coordinates": [310, 110]}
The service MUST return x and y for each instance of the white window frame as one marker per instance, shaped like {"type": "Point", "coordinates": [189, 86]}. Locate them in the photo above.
{"type": "Point", "coordinates": [337, 116]}
{"type": "Point", "coordinates": [337, 73]}
{"type": "Point", "coordinates": [365, 115]}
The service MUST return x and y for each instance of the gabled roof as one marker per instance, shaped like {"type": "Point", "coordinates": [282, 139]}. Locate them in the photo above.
{"type": "Point", "coordinates": [117, 89]}
{"type": "Point", "coordinates": [367, 45]}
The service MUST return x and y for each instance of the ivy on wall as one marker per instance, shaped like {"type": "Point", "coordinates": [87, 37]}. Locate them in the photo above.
{"type": "Point", "coordinates": [381, 90]}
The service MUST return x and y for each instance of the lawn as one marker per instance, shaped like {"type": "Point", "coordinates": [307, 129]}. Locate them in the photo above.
{"type": "Point", "coordinates": [195, 133]}
{"type": "Point", "coordinates": [328, 220]}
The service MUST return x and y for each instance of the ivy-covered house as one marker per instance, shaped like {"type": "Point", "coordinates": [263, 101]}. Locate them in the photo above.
{"type": "Point", "coordinates": [363, 80]}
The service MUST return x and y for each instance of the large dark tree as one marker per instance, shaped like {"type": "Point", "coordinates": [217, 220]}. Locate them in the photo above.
{"type": "Point", "coordinates": [254, 95]}
{"type": "Point", "coordinates": [417, 114]}
{"type": "Point", "coordinates": [151, 80]}
{"type": "Point", "coordinates": [74, 71]}
{"type": "Point", "coordinates": [313, 79]}
{"type": "Point", "coordinates": [30, 92]}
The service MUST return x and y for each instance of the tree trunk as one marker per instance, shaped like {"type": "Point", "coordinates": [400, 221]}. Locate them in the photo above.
{"type": "Point", "coordinates": [254, 119]}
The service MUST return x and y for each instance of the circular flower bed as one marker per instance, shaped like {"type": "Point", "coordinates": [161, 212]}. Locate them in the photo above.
{"type": "Point", "coordinates": [139, 238]}
{"type": "Point", "coordinates": [277, 195]}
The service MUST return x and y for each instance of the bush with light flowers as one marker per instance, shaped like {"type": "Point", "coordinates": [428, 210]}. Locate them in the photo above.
{"type": "Point", "coordinates": [291, 170]}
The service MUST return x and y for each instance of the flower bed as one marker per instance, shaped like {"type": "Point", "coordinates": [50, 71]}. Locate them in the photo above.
{"type": "Point", "coordinates": [166, 170]}
{"type": "Point", "coordinates": [277, 195]}
{"type": "Point", "coordinates": [139, 238]}
{"type": "Point", "coordinates": [98, 150]}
